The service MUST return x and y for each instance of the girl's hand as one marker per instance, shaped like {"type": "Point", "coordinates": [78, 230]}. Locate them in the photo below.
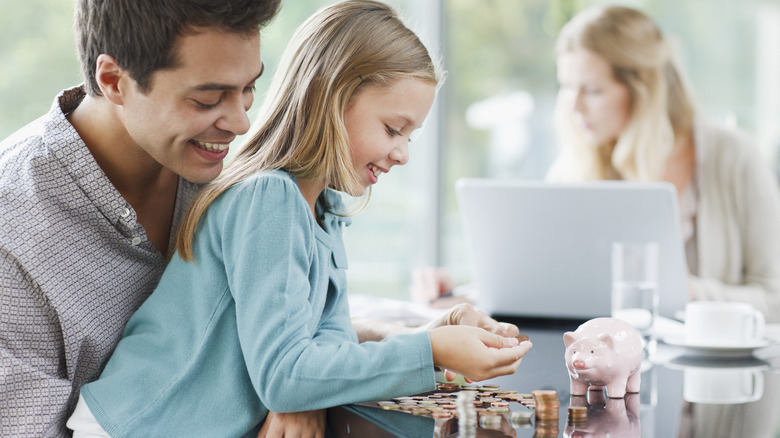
{"type": "Point", "coordinates": [466, 314]}
{"type": "Point", "coordinates": [476, 353]}
{"type": "Point", "coordinates": [309, 424]}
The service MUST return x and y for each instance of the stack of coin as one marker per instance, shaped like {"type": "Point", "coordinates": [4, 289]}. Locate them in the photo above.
{"type": "Point", "coordinates": [547, 404]}
{"type": "Point", "coordinates": [467, 414]}
{"type": "Point", "coordinates": [578, 415]}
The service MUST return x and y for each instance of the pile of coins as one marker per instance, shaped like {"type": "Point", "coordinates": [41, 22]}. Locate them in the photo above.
{"type": "Point", "coordinates": [487, 401]}
{"type": "Point", "coordinates": [486, 406]}
{"type": "Point", "coordinates": [467, 414]}
{"type": "Point", "coordinates": [547, 406]}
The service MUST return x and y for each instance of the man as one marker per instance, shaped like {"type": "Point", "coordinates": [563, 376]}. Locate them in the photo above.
{"type": "Point", "coordinates": [91, 193]}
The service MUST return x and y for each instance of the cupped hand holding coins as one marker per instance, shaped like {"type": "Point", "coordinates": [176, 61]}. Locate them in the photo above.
{"type": "Point", "coordinates": [477, 354]}
{"type": "Point", "coordinates": [465, 314]}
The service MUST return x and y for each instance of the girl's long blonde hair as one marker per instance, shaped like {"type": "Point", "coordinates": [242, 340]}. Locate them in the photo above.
{"type": "Point", "coordinates": [661, 105]}
{"type": "Point", "coordinates": [300, 127]}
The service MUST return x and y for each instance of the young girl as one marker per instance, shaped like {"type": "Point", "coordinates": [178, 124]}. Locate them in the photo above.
{"type": "Point", "coordinates": [251, 315]}
{"type": "Point", "coordinates": [624, 112]}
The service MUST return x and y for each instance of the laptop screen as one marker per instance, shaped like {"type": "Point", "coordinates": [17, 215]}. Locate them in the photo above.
{"type": "Point", "coordinates": [539, 249]}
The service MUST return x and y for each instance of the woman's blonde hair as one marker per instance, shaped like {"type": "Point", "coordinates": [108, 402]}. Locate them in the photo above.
{"type": "Point", "coordinates": [300, 127]}
{"type": "Point", "coordinates": [661, 105]}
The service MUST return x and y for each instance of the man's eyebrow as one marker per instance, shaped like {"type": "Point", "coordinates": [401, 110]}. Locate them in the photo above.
{"type": "Point", "coordinates": [215, 86]}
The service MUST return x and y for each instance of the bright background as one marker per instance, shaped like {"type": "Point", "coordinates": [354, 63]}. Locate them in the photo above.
{"type": "Point", "coordinates": [493, 116]}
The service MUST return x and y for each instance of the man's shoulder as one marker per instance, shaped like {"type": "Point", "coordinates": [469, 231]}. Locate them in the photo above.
{"type": "Point", "coordinates": [40, 142]}
{"type": "Point", "coordinates": [25, 162]}
{"type": "Point", "coordinates": [37, 185]}
{"type": "Point", "coordinates": [23, 142]}
{"type": "Point", "coordinates": [25, 156]}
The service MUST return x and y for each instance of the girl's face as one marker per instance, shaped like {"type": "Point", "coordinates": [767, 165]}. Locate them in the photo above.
{"type": "Point", "coordinates": [379, 120]}
{"type": "Point", "coordinates": [599, 104]}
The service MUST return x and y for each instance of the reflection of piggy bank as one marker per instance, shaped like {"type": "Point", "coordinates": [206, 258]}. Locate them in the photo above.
{"type": "Point", "coordinates": [604, 352]}
{"type": "Point", "coordinates": [618, 418]}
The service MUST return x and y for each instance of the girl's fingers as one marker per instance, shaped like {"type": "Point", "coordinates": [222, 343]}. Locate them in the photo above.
{"type": "Point", "coordinates": [496, 341]}
{"type": "Point", "coordinates": [450, 375]}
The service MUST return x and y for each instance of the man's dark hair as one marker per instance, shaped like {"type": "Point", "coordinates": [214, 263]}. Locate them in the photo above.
{"type": "Point", "coordinates": [141, 34]}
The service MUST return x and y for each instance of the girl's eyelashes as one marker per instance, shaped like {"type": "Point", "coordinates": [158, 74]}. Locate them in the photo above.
{"type": "Point", "coordinates": [392, 131]}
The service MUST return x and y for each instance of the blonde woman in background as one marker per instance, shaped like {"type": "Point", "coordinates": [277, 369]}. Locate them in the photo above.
{"type": "Point", "coordinates": [624, 113]}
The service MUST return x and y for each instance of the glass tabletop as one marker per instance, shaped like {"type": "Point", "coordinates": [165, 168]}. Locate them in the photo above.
{"type": "Point", "coordinates": [683, 394]}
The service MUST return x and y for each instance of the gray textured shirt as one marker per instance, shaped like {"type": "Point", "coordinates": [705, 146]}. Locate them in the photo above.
{"type": "Point", "coordinates": [74, 265]}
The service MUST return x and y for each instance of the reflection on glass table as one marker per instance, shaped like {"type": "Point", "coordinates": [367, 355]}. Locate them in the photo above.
{"type": "Point", "coordinates": [681, 395]}
{"type": "Point", "coordinates": [607, 417]}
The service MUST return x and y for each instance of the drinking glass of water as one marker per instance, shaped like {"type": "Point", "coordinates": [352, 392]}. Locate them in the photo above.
{"type": "Point", "coordinates": [635, 288]}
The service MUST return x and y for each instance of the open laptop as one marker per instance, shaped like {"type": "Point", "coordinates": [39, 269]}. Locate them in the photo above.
{"type": "Point", "coordinates": [540, 249]}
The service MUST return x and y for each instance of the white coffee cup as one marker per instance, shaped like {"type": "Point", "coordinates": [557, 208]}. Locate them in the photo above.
{"type": "Point", "coordinates": [722, 385]}
{"type": "Point", "coordinates": [723, 324]}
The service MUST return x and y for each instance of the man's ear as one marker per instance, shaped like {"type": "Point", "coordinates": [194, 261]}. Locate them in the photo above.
{"type": "Point", "coordinates": [111, 79]}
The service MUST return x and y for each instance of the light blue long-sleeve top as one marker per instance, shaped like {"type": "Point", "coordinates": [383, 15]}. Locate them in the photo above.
{"type": "Point", "coordinates": [260, 321]}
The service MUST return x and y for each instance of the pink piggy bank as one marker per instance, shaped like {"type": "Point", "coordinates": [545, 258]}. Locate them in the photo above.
{"type": "Point", "coordinates": [604, 352]}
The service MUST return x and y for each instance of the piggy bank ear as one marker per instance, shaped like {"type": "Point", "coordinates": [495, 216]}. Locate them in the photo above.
{"type": "Point", "coordinates": [568, 339]}
{"type": "Point", "coordinates": [607, 339]}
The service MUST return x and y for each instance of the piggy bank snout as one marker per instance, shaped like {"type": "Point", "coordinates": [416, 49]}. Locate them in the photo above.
{"type": "Point", "coordinates": [578, 364]}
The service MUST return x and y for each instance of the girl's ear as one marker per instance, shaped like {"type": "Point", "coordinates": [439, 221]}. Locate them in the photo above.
{"type": "Point", "coordinates": [109, 76]}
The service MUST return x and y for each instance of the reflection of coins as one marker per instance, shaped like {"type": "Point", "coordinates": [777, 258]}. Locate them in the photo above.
{"type": "Point", "coordinates": [578, 415]}
{"type": "Point", "coordinates": [467, 414]}
{"type": "Point", "coordinates": [546, 429]}
{"type": "Point", "coordinates": [520, 418]}
{"type": "Point", "coordinates": [489, 420]}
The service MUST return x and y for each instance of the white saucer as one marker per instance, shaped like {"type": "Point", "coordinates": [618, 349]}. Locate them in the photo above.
{"type": "Point", "coordinates": [717, 350]}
